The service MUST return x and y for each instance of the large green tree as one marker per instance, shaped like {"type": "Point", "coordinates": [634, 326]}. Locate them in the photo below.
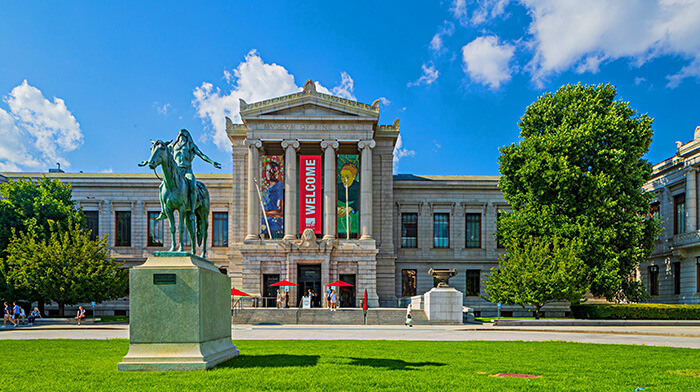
{"type": "Point", "coordinates": [577, 173]}
{"type": "Point", "coordinates": [67, 268]}
{"type": "Point", "coordinates": [537, 271]}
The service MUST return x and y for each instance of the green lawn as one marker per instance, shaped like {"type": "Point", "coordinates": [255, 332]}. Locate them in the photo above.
{"type": "Point", "coordinates": [91, 365]}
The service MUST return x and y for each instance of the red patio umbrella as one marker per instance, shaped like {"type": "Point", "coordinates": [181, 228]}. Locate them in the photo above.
{"type": "Point", "coordinates": [235, 291]}
{"type": "Point", "coordinates": [283, 283]}
{"type": "Point", "coordinates": [339, 283]}
{"type": "Point", "coordinates": [364, 302]}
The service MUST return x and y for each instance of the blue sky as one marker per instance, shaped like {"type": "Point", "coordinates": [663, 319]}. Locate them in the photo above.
{"type": "Point", "coordinates": [88, 84]}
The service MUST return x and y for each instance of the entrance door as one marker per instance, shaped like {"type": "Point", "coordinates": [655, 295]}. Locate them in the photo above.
{"type": "Point", "coordinates": [347, 294]}
{"type": "Point", "coordinates": [270, 293]}
{"type": "Point", "coordinates": [309, 279]}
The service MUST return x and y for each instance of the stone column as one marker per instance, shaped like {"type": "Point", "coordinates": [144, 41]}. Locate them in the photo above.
{"type": "Point", "coordinates": [290, 189]}
{"type": "Point", "coordinates": [329, 192]}
{"type": "Point", "coordinates": [253, 227]}
{"type": "Point", "coordinates": [366, 147]}
{"type": "Point", "coordinates": [691, 200]}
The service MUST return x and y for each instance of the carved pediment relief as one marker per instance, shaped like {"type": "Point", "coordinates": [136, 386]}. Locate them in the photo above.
{"type": "Point", "coordinates": [310, 110]}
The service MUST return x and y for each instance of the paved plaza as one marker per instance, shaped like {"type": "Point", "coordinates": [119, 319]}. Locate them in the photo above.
{"type": "Point", "coordinates": [652, 336]}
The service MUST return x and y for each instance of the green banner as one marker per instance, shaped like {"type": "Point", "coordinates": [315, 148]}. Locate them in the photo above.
{"type": "Point", "coordinates": [348, 186]}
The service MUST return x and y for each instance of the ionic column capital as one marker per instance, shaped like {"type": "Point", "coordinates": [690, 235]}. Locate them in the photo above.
{"type": "Point", "coordinates": [253, 142]}
{"type": "Point", "coordinates": [290, 143]}
{"type": "Point", "coordinates": [330, 144]}
{"type": "Point", "coordinates": [362, 144]}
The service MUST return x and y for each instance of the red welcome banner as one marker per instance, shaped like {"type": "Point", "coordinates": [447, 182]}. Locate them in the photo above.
{"type": "Point", "coordinates": [310, 193]}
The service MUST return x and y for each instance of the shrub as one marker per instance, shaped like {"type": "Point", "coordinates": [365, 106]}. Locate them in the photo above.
{"type": "Point", "coordinates": [636, 312]}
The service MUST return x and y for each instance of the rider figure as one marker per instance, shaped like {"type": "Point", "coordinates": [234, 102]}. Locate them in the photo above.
{"type": "Point", "coordinates": [184, 151]}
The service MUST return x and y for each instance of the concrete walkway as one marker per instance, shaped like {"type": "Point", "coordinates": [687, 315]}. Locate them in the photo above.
{"type": "Point", "coordinates": [651, 336]}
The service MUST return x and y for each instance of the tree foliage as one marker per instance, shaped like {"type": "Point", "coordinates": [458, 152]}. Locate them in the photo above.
{"type": "Point", "coordinates": [577, 173]}
{"type": "Point", "coordinates": [67, 268]}
{"type": "Point", "coordinates": [537, 271]}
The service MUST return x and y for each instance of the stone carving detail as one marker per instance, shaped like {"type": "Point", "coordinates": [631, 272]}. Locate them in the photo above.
{"type": "Point", "coordinates": [309, 88]}
{"type": "Point", "coordinates": [242, 104]}
{"type": "Point", "coordinates": [362, 144]}
{"type": "Point", "coordinates": [330, 144]}
{"type": "Point", "coordinates": [290, 143]}
{"type": "Point", "coordinates": [442, 274]}
{"type": "Point", "coordinates": [308, 240]}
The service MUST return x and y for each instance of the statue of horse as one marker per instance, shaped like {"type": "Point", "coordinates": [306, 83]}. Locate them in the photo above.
{"type": "Point", "coordinates": [175, 197]}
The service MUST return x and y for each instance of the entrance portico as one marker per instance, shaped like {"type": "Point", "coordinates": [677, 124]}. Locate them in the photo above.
{"type": "Point", "coordinates": [272, 149]}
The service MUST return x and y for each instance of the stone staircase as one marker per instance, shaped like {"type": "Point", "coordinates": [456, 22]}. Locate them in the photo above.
{"type": "Point", "coordinates": [377, 316]}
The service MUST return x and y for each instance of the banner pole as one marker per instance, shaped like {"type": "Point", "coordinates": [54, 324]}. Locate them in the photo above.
{"type": "Point", "coordinates": [262, 206]}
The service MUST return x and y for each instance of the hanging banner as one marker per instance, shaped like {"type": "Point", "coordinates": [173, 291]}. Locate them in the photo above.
{"type": "Point", "coordinates": [348, 184]}
{"type": "Point", "coordinates": [273, 195]}
{"type": "Point", "coordinates": [310, 193]}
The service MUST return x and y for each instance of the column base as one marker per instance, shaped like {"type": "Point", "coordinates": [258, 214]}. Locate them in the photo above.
{"type": "Point", "coordinates": [289, 237]}
{"type": "Point", "coordinates": [366, 237]}
{"type": "Point", "coordinates": [252, 237]}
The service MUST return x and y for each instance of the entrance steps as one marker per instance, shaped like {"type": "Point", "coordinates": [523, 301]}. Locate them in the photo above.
{"type": "Point", "coordinates": [376, 316]}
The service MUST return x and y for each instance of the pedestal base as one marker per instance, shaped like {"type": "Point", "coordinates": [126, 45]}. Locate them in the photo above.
{"type": "Point", "coordinates": [180, 315]}
{"type": "Point", "coordinates": [444, 305]}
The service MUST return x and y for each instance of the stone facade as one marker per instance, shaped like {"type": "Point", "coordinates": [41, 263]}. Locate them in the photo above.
{"type": "Point", "coordinates": [407, 223]}
{"type": "Point", "coordinates": [672, 273]}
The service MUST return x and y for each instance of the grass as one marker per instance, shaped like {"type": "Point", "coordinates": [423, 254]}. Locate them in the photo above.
{"type": "Point", "coordinates": [488, 319]}
{"type": "Point", "coordinates": [109, 319]}
{"type": "Point", "coordinates": [91, 365]}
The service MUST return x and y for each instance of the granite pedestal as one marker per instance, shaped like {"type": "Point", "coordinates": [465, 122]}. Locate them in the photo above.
{"type": "Point", "coordinates": [179, 314]}
{"type": "Point", "coordinates": [443, 305]}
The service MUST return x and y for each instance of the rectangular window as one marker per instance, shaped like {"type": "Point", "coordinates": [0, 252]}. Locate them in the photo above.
{"type": "Point", "coordinates": [155, 230]}
{"type": "Point", "coordinates": [408, 282]}
{"type": "Point", "coordinates": [679, 214]}
{"type": "Point", "coordinates": [441, 230]}
{"type": "Point", "coordinates": [499, 245]}
{"type": "Point", "coordinates": [654, 212]}
{"type": "Point", "coordinates": [123, 229]}
{"type": "Point", "coordinates": [653, 280]}
{"type": "Point", "coordinates": [676, 278]}
{"type": "Point", "coordinates": [473, 231]}
{"type": "Point", "coordinates": [93, 223]}
{"type": "Point", "coordinates": [409, 230]}
{"type": "Point", "coordinates": [220, 229]}
{"type": "Point", "coordinates": [473, 283]}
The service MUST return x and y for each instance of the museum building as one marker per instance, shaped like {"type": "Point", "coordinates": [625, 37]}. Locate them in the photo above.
{"type": "Point", "coordinates": [312, 199]}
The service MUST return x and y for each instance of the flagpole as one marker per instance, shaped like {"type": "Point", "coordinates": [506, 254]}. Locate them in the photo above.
{"type": "Point", "coordinates": [262, 206]}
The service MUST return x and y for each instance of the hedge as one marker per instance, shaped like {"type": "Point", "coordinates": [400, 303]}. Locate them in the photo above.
{"type": "Point", "coordinates": [635, 312]}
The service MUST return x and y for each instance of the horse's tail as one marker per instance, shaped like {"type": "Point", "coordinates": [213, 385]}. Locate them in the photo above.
{"type": "Point", "coordinates": [203, 196]}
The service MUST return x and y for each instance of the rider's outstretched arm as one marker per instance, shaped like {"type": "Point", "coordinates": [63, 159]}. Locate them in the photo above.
{"type": "Point", "coordinates": [206, 158]}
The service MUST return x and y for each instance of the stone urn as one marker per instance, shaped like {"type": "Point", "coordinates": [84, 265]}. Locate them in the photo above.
{"type": "Point", "coordinates": [443, 274]}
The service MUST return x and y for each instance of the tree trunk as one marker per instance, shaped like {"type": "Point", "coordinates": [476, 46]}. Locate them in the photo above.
{"type": "Point", "coordinates": [537, 311]}
{"type": "Point", "coordinates": [61, 308]}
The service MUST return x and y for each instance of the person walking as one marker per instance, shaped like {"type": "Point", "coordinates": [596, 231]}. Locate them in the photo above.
{"type": "Point", "coordinates": [409, 315]}
{"type": "Point", "coordinates": [328, 297]}
{"type": "Point", "coordinates": [81, 314]}
{"type": "Point", "coordinates": [7, 315]}
{"type": "Point", "coordinates": [16, 313]}
{"type": "Point", "coordinates": [333, 300]}
{"type": "Point", "coordinates": [279, 300]}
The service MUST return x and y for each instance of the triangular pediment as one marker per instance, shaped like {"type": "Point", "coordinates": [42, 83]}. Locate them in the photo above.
{"type": "Point", "coordinates": [308, 104]}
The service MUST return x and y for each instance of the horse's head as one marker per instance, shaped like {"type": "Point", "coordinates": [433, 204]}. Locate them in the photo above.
{"type": "Point", "coordinates": [160, 151]}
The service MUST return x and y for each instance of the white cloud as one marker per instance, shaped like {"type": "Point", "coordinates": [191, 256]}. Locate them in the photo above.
{"type": "Point", "coordinates": [486, 60]}
{"type": "Point", "coordinates": [639, 80]}
{"type": "Point", "coordinates": [36, 132]}
{"type": "Point", "coordinates": [484, 11]}
{"type": "Point", "coordinates": [400, 152]}
{"type": "Point", "coordinates": [430, 74]}
{"type": "Point", "coordinates": [437, 145]}
{"type": "Point", "coordinates": [108, 170]}
{"type": "Point", "coordinates": [446, 30]}
{"type": "Point", "coordinates": [586, 34]}
{"type": "Point", "coordinates": [385, 102]}
{"type": "Point", "coordinates": [162, 109]}
{"type": "Point", "coordinates": [253, 80]}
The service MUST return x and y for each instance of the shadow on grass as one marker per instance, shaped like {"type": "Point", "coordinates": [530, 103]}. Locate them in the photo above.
{"type": "Point", "coordinates": [393, 364]}
{"type": "Point", "coordinates": [267, 361]}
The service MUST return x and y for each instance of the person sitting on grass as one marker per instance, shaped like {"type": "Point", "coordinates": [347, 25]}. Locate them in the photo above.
{"type": "Point", "coordinates": [33, 316]}
{"type": "Point", "coordinates": [81, 314]}
{"type": "Point", "coordinates": [7, 315]}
